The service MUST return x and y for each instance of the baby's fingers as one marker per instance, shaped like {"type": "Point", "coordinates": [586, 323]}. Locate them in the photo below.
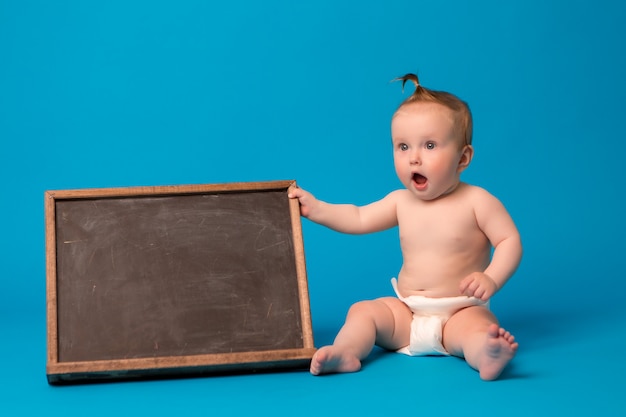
{"type": "Point", "coordinates": [472, 286]}
{"type": "Point", "coordinates": [472, 290]}
{"type": "Point", "coordinates": [466, 285]}
{"type": "Point", "coordinates": [304, 198]}
{"type": "Point", "coordinates": [295, 193]}
{"type": "Point", "coordinates": [480, 293]}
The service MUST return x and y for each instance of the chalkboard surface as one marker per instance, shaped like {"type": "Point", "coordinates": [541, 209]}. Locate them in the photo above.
{"type": "Point", "coordinates": [144, 281]}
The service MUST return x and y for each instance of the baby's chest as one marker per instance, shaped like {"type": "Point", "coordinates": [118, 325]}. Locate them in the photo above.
{"type": "Point", "coordinates": [438, 227]}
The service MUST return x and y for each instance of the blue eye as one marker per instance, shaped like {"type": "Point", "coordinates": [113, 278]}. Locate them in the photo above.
{"type": "Point", "coordinates": [431, 145]}
{"type": "Point", "coordinates": [403, 147]}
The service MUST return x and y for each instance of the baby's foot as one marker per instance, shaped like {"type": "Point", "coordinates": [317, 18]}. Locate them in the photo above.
{"type": "Point", "coordinates": [331, 359]}
{"type": "Point", "coordinates": [499, 349]}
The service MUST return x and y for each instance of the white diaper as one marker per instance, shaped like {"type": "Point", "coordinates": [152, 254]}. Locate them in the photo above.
{"type": "Point", "coordinates": [429, 317]}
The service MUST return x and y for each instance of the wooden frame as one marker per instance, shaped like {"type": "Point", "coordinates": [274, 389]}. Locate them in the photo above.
{"type": "Point", "coordinates": [103, 269]}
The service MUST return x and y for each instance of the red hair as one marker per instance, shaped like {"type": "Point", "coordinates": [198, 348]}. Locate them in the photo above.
{"type": "Point", "coordinates": [460, 110]}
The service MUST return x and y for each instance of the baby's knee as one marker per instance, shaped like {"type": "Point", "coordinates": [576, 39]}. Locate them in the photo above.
{"type": "Point", "coordinates": [381, 307]}
{"type": "Point", "coordinates": [361, 307]}
{"type": "Point", "coordinates": [475, 318]}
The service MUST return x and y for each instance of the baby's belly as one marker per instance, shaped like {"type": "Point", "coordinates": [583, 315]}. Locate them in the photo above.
{"type": "Point", "coordinates": [433, 285]}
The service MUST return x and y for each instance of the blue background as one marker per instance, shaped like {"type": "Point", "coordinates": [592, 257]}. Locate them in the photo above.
{"type": "Point", "coordinates": [130, 93]}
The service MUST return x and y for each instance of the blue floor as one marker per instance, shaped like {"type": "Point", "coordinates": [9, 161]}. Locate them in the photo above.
{"type": "Point", "coordinates": [569, 363]}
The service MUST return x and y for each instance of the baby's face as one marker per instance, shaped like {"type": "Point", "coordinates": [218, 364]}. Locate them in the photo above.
{"type": "Point", "coordinates": [427, 155]}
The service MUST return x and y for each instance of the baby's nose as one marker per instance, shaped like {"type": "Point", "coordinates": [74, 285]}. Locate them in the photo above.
{"type": "Point", "coordinates": [415, 157]}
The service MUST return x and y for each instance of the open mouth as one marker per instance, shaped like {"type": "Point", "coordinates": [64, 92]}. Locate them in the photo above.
{"type": "Point", "coordinates": [419, 180]}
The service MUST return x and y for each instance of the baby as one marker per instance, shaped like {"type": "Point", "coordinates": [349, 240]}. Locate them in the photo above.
{"type": "Point", "coordinates": [447, 232]}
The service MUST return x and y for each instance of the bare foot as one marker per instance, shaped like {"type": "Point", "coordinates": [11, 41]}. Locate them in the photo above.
{"type": "Point", "coordinates": [331, 359]}
{"type": "Point", "coordinates": [499, 349]}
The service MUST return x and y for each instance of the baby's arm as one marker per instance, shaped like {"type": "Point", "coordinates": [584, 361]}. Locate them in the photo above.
{"type": "Point", "coordinates": [348, 218]}
{"type": "Point", "coordinates": [496, 223]}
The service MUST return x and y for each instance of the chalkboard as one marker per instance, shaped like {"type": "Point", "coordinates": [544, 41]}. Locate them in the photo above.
{"type": "Point", "coordinates": [167, 281]}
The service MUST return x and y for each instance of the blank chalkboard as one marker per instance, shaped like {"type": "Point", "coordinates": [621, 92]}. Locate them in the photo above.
{"type": "Point", "coordinates": [166, 281]}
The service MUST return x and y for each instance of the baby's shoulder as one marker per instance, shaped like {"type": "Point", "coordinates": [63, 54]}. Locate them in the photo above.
{"type": "Point", "coordinates": [473, 191]}
{"type": "Point", "coordinates": [399, 195]}
{"type": "Point", "coordinates": [476, 196]}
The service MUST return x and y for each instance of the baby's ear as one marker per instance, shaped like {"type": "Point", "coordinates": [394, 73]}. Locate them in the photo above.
{"type": "Point", "coordinates": [466, 157]}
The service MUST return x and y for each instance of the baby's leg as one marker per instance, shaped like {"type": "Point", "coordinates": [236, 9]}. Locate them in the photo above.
{"type": "Point", "coordinates": [474, 334]}
{"type": "Point", "coordinates": [385, 322]}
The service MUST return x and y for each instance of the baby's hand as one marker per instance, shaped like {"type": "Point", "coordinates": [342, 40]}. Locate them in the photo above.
{"type": "Point", "coordinates": [478, 285]}
{"type": "Point", "coordinates": [305, 198]}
